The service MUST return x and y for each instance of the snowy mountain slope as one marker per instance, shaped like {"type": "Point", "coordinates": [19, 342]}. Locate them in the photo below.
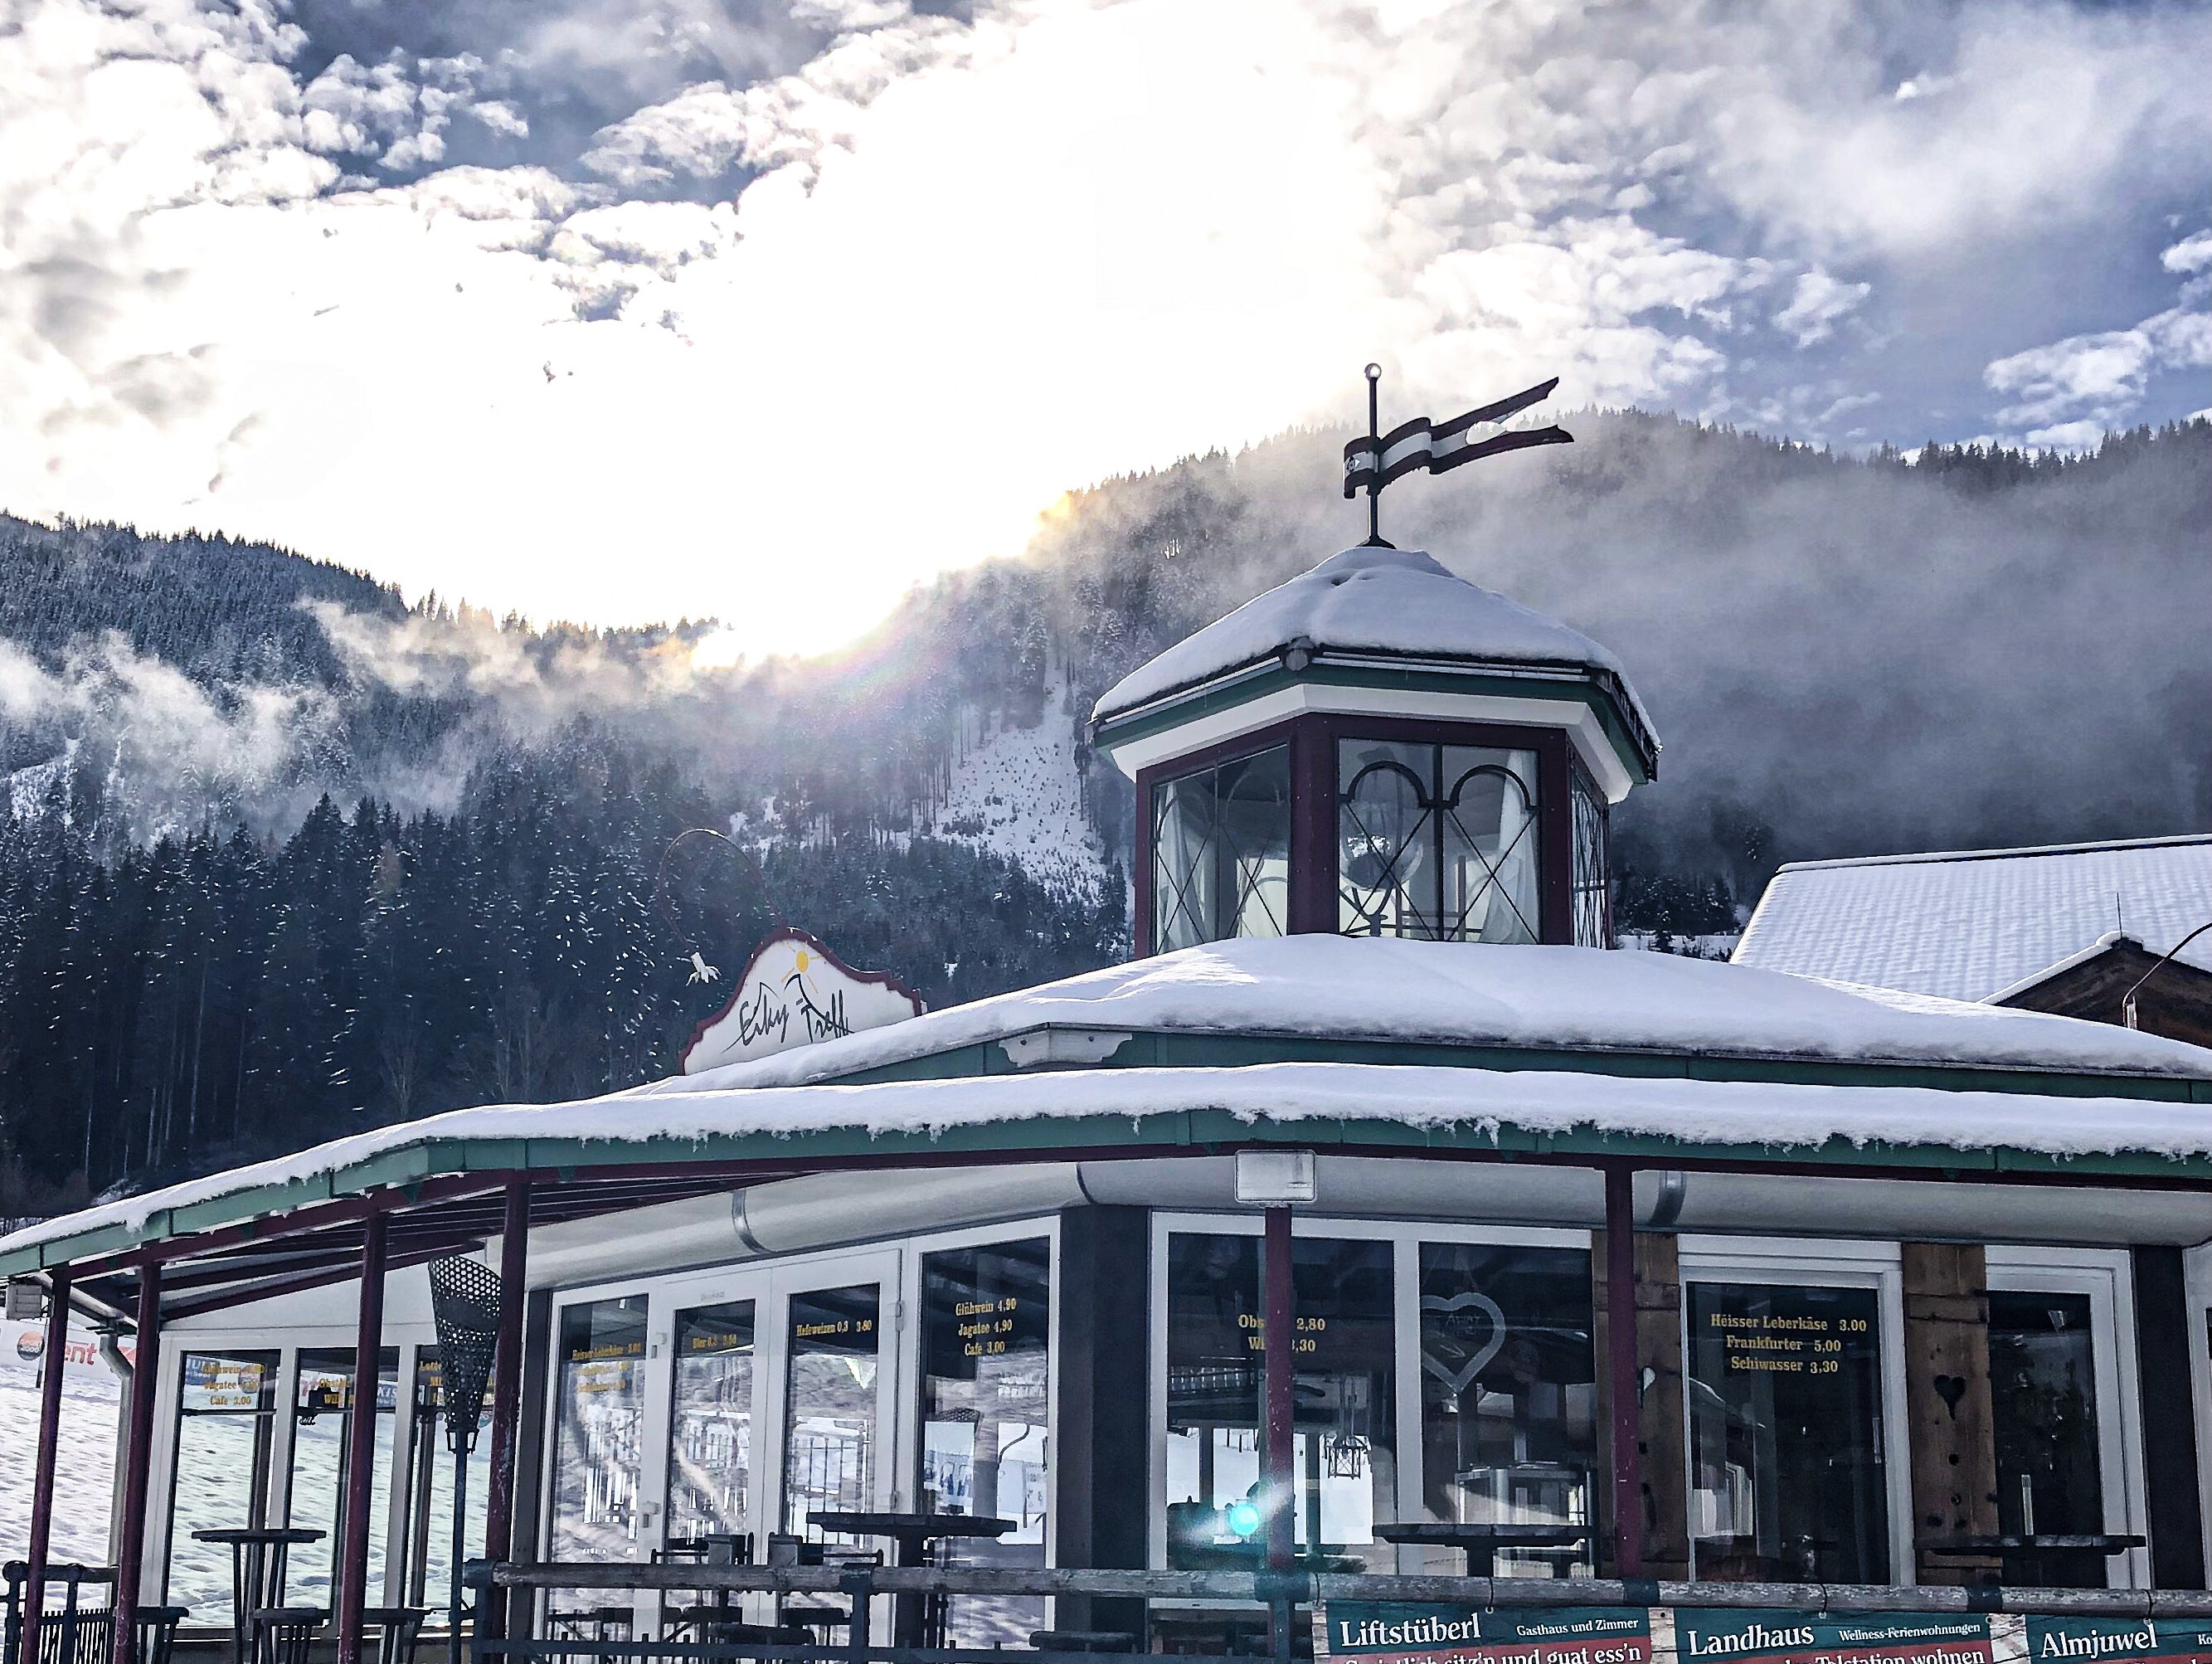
{"type": "Point", "coordinates": [1018, 793]}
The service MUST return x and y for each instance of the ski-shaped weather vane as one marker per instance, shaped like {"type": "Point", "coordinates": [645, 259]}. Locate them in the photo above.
{"type": "Point", "coordinates": [1375, 461]}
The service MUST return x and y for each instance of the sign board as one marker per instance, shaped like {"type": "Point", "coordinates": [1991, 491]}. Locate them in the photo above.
{"type": "Point", "coordinates": [2106, 1640]}
{"type": "Point", "coordinates": [1805, 1637]}
{"type": "Point", "coordinates": [794, 992]}
{"type": "Point", "coordinates": [1391, 1633]}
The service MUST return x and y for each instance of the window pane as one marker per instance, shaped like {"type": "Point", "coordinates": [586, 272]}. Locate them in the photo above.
{"type": "Point", "coordinates": [601, 1412]}
{"type": "Point", "coordinates": [1437, 842]}
{"type": "Point", "coordinates": [710, 1454]}
{"type": "Point", "coordinates": [1487, 827]}
{"type": "Point", "coordinates": [1385, 866]}
{"type": "Point", "coordinates": [1787, 1478]}
{"type": "Point", "coordinates": [1183, 861]}
{"type": "Point", "coordinates": [829, 1426]}
{"type": "Point", "coordinates": [225, 1418]}
{"type": "Point", "coordinates": [1255, 838]}
{"type": "Point", "coordinates": [429, 1529]}
{"type": "Point", "coordinates": [2043, 1400]}
{"type": "Point", "coordinates": [1221, 851]}
{"type": "Point", "coordinates": [1343, 1450]}
{"type": "Point", "coordinates": [1508, 1429]}
{"type": "Point", "coordinates": [322, 1426]}
{"type": "Point", "coordinates": [1593, 901]}
{"type": "Point", "coordinates": [986, 1334]}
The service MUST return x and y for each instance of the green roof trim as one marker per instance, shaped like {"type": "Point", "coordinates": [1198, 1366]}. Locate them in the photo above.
{"type": "Point", "coordinates": [1201, 1130]}
{"type": "Point", "coordinates": [1258, 681]}
{"type": "Point", "coordinates": [1171, 1049]}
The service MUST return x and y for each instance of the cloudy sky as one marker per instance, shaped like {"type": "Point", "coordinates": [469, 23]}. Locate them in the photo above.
{"type": "Point", "coordinates": [622, 309]}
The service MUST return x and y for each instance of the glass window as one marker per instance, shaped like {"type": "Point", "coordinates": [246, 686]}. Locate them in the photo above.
{"type": "Point", "coordinates": [429, 1531]}
{"type": "Point", "coordinates": [1786, 1456]}
{"type": "Point", "coordinates": [710, 1450]}
{"type": "Point", "coordinates": [322, 1428]}
{"type": "Point", "coordinates": [1436, 842]}
{"type": "Point", "coordinates": [1344, 1445]}
{"type": "Point", "coordinates": [986, 1340]}
{"type": "Point", "coordinates": [1221, 851]}
{"type": "Point", "coordinates": [2043, 1400]}
{"type": "Point", "coordinates": [600, 1413]}
{"type": "Point", "coordinates": [1593, 900]}
{"type": "Point", "coordinates": [829, 1421]}
{"type": "Point", "coordinates": [226, 1413]}
{"type": "Point", "coordinates": [1508, 1422]}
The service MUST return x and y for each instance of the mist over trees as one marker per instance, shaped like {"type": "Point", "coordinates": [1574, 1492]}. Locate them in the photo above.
{"type": "Point", "coordinates": [283, 856]}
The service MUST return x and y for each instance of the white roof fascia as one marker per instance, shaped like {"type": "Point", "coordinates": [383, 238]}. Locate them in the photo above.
{"type": "Point", "coordinates": [1580, 721]}
{"type": "Point", "coordinates": [2103, 945]}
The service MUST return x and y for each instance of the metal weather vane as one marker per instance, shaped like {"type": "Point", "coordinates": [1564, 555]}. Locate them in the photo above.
{"type": "Point", "coordinates": [1373, 462]}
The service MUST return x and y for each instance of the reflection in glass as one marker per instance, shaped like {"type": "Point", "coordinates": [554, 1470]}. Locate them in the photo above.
{"type": "Point", "coordinates": [1436, 842]}
{"type": "Point", "coordinates": [429, 1527]}
{"type": "Point", "coordinates": [1509, 1427]}
{"type": "Point", "coordinates": [1786, 1456]}
{"type": "Point", "coordinates": [830, 1418]}
{"type": "Point", "coordinates": [600, 1414]}
{"type": "Point", "coordinates": [1221, 851]}
{"type": "Point", "coordinates": [1344, 1448]}
{"type": "Point", "coordinates": [710, 1453]}
{"type": "Point", "coordinates": [986, 1329]}
{"type": "Point", "coordinates": [322, 1427]}
{"type": "Point", "coordinates": [227, 1414]}
{"type": "Point", "coordinates": [2043, 1400]}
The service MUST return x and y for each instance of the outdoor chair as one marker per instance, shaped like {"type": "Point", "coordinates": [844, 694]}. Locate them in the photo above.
{"type": "Point", "coordinates": [285, 1635]}
{"type": "Point", "coordinates": [81, 1629]}
{"type": "Point", "coordinates": [594, 1623]}
{"type": "Point", "coordinates": [399, 1631]}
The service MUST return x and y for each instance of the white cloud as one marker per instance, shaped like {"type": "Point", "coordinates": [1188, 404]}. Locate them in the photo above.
{"type": "Point", "coordinates": [2068, 393]}
{"type": "Point", "coordinates": [973, 265]}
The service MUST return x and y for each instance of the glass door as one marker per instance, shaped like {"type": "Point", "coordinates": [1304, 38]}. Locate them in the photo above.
{"type": "Point", "coordinates": [2062, 1398]}
{"type": "Point", "coordinates": [711, 1442]}
{"type": "Point", "coordinates": [833, 1419]}
{"type": "Point", "coordinates": [226, 1426]}
{"type": "Point", "coordinates": [324, 1422]}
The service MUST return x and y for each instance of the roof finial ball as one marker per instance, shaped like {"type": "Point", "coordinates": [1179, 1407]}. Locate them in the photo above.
{"type": "Point", "coordinates": [1379, 747]}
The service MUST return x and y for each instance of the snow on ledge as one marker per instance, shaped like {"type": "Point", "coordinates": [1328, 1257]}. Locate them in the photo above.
{"type": "Point", "coordinates": [1548, 998]}
{"type": "Point", "coordinates": [1758, 1117]}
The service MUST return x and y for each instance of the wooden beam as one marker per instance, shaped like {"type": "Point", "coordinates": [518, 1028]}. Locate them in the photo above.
{"type": "Point", "coordinates": [1949, 1421]}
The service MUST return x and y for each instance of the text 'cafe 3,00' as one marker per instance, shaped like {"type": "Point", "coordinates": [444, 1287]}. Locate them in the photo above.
{"type": "Point", "coordinates": [1376, 1219]}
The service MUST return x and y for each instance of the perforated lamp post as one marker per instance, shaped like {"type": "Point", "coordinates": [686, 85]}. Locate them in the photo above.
{"type": "Point", "coordinates": [1277, 1180]}
{"type": "Point", "coordinates": [465, 1299]}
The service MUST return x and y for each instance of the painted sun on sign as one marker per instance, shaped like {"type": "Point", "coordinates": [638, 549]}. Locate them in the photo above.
{"type": "Point", "coordinates": [794, 992]}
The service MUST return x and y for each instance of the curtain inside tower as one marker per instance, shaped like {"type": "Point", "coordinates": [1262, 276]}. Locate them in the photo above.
{"type": "Point", "coordinates": [1221, 851]}
{"type": "Point", "coordinates": [1437, 842]}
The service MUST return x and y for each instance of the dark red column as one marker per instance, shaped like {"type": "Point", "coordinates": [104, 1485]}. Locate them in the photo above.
{"type": "Point", "coordinates": [1620, 1370]}
{"type": "Point", "coordinates": [506, 1397]}
{"type": "Point", "coordinates": [56, 1358]}
{"type": "Point", "coordinates": [361, 1445]}
{"type": "Point", "coordinates": [137, 1459]}
{"type": "Point", "coordinates": [1278, 1481]}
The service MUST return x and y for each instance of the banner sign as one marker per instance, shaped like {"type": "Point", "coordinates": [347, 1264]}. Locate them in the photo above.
{"type": "Point", "coordinates": [1390, 1633]}
{"type": "Point", "coordinates": [793, 992]}
{"type": "Point", "coordinates": [1804, 1637]}
{"type": "Point", "coordinates": [2107, 1640]}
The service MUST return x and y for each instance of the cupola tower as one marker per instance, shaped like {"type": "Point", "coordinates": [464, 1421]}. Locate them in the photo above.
{"type": "Point", "coordinates": [1376, 747]}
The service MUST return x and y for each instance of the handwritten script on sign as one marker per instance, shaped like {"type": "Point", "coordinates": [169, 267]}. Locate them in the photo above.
{"type": "Point", "coordinates": [794, 992]}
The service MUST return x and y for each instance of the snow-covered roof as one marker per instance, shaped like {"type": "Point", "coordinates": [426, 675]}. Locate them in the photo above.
{"type": "Point", "coordinates": [1398, 602]}
{"type": "Point", "coordinates": [1288, 1099]}
{"type": "Point", "coordinates": [1972, 924]}
{"type": "Point", "coordinates": [1564, 1040]}
{"type": "Point", "coordinates": [1563, 1000]}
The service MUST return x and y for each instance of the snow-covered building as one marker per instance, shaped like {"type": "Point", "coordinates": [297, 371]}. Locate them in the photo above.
{"type": "Point", "coordinates": [1374, 1200]}
{"type": "Point", "coordinates": [2072, 928]}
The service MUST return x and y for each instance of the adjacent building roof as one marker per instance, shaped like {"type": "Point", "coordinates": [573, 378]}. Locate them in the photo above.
{"type": "Point", "coordinates": [1972, 924]}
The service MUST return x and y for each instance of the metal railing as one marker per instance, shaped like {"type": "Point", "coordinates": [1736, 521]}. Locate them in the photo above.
{"type": "Point", "coordinates": [1280, 1594]}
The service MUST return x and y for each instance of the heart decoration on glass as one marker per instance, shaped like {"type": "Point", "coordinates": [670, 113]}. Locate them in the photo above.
{"type": "Point", "coordinates": [1464, 1336]}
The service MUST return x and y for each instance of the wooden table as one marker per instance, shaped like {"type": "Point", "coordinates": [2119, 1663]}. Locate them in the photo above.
{"type": "Point", "coordinates": [258, 1554]}
{"type": "Point", "coordinates": [1482, 1542]}
{"type": "Point", "coordinates": [913, 1533]}
{"type": "Point", "coordinates": [2032, 1546]}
